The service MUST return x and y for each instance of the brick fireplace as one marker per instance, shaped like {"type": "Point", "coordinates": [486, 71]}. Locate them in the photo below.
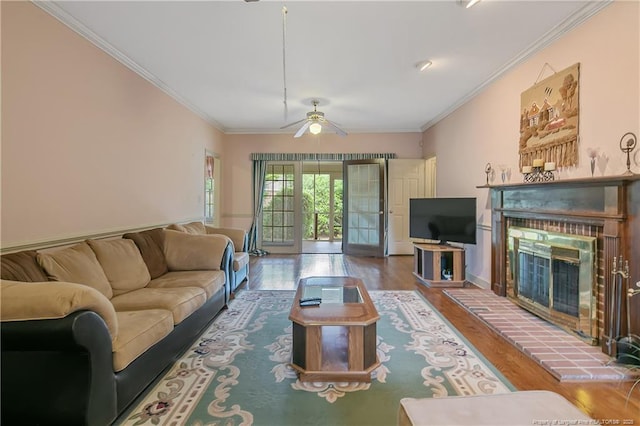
{"type": "Point", "coordinates": [553, 246]}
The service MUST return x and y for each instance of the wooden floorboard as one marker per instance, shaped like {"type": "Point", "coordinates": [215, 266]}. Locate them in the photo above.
{"type": "Point", "coordinates": [609, 402]}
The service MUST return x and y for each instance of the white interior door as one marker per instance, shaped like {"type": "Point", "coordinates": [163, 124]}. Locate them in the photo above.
{"type": "Point", "coordinates": [406, 180]}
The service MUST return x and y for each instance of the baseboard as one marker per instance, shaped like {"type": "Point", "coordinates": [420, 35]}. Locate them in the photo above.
{"type": "Point", "coordinates": [478, 282]}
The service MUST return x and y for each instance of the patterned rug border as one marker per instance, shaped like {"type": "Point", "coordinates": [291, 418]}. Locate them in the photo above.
{"type": "Point", "coordinates": [465, 340]}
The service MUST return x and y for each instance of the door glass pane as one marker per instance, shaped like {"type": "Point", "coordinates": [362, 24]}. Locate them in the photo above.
{"type": "Point", "coordinates": [364, 204]}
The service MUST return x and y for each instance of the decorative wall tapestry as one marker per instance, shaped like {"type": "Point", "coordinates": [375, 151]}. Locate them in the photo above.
{"type": "Point", "coordinates": [549, 119]}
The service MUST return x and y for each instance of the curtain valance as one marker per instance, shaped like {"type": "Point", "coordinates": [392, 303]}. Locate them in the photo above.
{"type": "Point", "coordinates": [268, 156]}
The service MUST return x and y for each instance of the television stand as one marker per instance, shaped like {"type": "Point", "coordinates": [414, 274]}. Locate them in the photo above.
{"type": "Point", "coordinates": [439, 265]}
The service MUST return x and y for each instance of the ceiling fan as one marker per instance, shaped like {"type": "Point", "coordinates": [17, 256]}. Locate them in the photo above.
{"type": "Point", "coordinates": [315, 122]}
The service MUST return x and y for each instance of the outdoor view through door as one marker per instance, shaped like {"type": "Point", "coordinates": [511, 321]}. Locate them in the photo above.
{"type": "Point", "coordinates": [322, 207]}
{"type": "Point", "coordinates": [303, 201]}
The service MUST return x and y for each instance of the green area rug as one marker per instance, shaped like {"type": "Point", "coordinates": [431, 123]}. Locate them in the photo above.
{"type": "Point", "coordinates": [237, 373]}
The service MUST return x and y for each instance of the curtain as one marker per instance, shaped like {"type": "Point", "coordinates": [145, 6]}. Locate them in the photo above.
{"type": "Point", "coordinates": [209, 166]}
{"type": "Point", "coordinates": [319, 156]}
{"type": "Point", "coordinates": [259, 173]}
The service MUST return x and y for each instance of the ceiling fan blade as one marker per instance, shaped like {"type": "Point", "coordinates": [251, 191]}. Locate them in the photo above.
{"type": "Point", "coordinates": [291, 124]}
{"type": "Point", "coordinates": [302, 129]}
{"type": "Point", "coordinates": [333, 127]}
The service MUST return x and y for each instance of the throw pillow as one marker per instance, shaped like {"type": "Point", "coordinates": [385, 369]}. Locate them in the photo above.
{"type": "Point", "coordinates": [22, 266]}
{"type": "Point", "coordinates": [122, 264]}
{"type": "Point", "coordinates": [188, 252]}
{"type": "Point", "coordinates": [195, 228]}
{"type": "Point", "coordinates": [176, 227]}
{"type": "Point", "coordinates": [151, 243]}
{"type": "Point", "coordinates": [76, 264]}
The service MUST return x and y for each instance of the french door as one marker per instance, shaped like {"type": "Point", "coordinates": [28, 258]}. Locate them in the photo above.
{"type": "Point", "coordinates": [280, 225]}
{"type": "Point", "coordinates": [364, 208]}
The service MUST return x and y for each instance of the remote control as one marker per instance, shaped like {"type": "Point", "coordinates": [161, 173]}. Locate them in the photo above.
{"type": "Point", "coordinates": [313, 301]}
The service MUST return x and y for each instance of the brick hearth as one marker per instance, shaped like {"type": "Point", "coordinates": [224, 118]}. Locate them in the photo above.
{"type": "Point", "coordinates": [564, 356]}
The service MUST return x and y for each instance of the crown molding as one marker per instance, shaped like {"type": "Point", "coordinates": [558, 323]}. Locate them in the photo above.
{"type": "Point", "coordinates": [67, 19]}
{"type": "Point", "coordinates": [586, 12]}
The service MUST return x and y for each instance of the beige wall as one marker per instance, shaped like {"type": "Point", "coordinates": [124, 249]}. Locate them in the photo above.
{"type": "Point", "coordinates": [237, 168]}
{"type": "Point", "coordinates": [89, 146]}
{"type": "Point", "coordinates": [486, 129]}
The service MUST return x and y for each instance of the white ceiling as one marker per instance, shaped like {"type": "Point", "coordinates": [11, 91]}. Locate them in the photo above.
{"type": "Point", "coordinates": [224, 59]}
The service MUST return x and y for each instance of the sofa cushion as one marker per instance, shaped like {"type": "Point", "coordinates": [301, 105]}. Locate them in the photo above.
{"type": "Point", "coordinates": [209, 281]}
{"type": "Point", "coordinates": [240, 260]}
{"type": "Point", "coordinates": [139, 331]}
{"type": "Point", "coordinates": [182, 302]}
{"type": "Point", "coordinates": [122, 264]}
{"type": "Point", "coordinates": [76, 264]}
{"type": "Point", "coordinates": [46, 300]}
{"type": "Point", "coordinates": [186, 252]}
{"type": "Point", "coordinates": [151, 243]}
{"type": "Point", "coordinates": [21, 266]}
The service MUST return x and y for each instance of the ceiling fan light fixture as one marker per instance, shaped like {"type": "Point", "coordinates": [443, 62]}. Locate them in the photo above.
{"type": "Point", "coordinates": [315, 128]}
{"type": "Point", "coordinates": [423, 65]}
{"type": "Point", "coordinates": [467, 3]}
{"type": "Point", "coordinates": [314, 122]}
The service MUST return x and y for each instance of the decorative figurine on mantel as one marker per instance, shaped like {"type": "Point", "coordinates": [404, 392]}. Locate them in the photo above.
{"type": "Point", "coordinates": [593, 155]}
{"type": "Point", "coordinates": [505, 172]}
{"type": "Point", "coordinates": [627, 147]}
{"type": "Point", "coordinates": [539, 172]}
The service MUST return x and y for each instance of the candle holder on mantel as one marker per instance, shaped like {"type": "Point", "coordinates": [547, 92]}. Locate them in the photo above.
{"type": "Point", "coordinates": [539, 172]}
{"type": "Point", "coordinates": [488, 170]}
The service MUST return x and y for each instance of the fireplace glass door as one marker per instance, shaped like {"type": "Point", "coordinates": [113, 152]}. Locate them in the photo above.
{"type": "Point", "coordinates": [553, 276]}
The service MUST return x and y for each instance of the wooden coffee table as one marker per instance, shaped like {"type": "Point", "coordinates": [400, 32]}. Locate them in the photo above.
{"type": "Point", "coordinates": [336, 340]}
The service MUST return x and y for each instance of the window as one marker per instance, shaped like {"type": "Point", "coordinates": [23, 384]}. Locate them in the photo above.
{"type": "Point", "coordinates": [209, 189]}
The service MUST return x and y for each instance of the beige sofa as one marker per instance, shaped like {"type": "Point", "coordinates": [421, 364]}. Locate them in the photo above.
{"type": "Point", "coordinates": [97, 323]}
{"type": "Point", "coordinates": [239, 270]}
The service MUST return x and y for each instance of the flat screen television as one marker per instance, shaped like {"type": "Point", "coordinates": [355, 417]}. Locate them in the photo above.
{"type": "Point", "coordinates": [447, 220]}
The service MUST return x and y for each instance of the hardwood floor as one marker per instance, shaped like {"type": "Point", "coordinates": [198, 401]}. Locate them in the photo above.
{"type": "Point", "coordinates": [603, 401]}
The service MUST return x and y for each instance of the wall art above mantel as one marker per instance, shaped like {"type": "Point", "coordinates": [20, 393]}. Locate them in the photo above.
{"type": "Point", "coordinates": [549, 119]}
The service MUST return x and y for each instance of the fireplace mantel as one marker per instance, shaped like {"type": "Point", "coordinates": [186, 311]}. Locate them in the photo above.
{"type": "Point", "coordinates": [598, 180]}
{"type": "Point", "coordinates": [611, 205]}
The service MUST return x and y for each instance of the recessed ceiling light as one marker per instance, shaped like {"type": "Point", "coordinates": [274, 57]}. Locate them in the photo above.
{"type": "Point", "coordinates": [471, 3]}
{"type": "Point", "coordinates": [423, 65]}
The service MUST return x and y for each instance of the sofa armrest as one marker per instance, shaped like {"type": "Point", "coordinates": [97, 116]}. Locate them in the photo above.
{"type": "Point", "coordinates": [40, 355]}
{"type": "Point", "coordinates": [239, 236]}
{"type": "Point", "coordinates": [51, 300]}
